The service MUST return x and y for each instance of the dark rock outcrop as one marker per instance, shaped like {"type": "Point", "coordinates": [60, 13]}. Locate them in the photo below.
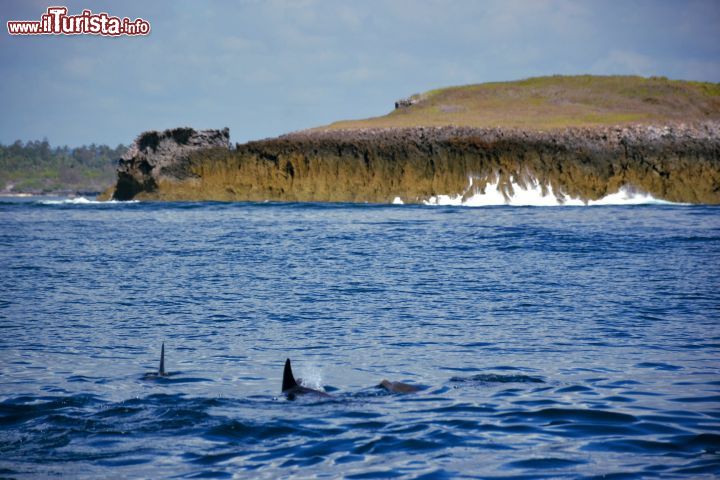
{"type": "Point", "coordinates": [163, 156]}
{"type": "Point", "coordinates": [408, 102]}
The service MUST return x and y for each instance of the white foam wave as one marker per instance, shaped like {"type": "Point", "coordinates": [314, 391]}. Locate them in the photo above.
{"type": "Point", "coordinates": [82, 201]}
{"type": "Point", "coordinates": [533, 194]}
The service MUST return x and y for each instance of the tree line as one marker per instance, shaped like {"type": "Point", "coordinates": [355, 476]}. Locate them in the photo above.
{"type": "Point", "coordinates": [36, 167]}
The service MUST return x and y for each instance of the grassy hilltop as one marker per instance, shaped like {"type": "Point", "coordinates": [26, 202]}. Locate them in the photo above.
{"type": "Point", "coordinates": [545, 103]}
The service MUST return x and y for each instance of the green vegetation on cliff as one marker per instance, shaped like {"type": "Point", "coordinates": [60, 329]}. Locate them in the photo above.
{"type": "Point", "coordinates": [35, 167]}
{"type": "Point", "coordinates": [545, 103]}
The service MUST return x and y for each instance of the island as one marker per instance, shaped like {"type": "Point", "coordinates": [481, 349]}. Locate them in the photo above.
{"type": "Point", "coordinates": [575, 137]}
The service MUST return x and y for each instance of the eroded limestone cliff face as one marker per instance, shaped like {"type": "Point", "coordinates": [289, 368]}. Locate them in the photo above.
{"type": "Point", "coordinates": [676, 162]}
{"type": "Point", "coordinates": [156, 157]}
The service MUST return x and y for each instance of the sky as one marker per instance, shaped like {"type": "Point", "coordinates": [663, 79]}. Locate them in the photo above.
{"type": "Point", "coordinates": [263, 68]}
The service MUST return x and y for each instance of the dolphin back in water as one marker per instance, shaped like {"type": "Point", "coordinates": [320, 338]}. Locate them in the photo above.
{"type": "Point", "coordinates": [292, 389]}
{"type": "Point", "coordinates": [161, 369]}
{"type": "Point", "coordinates": [398, 387]}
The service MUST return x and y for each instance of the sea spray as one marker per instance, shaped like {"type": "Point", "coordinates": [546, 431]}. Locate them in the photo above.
{"type": "Point", "coordinates": [311, 376]}
{"type": "Point", "coordinates": [534, 194]}
{"type": "Point", "coordinates": [83, 201]}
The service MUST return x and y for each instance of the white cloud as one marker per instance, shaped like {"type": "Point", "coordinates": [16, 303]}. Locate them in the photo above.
{"type": "Point", "coordinates": [238, 44]}
{"type": "Point", "coordinates": [358, 74]}
{"type": "Point", "coordinates": [625, 62]}
{"type": "Point", "coordinates": [79, 67]}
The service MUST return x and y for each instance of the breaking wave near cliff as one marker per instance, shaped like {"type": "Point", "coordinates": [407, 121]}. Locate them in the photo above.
{"type": "Point", "coordinates": [533, 193]}
{"type": "Point", "coordinates": [83, 201]}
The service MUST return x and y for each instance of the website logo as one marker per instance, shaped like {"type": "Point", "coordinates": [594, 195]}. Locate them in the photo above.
{"type": "Point", "coordinates": [56, 21]}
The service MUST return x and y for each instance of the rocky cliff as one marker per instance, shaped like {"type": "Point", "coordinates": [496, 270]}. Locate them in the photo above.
{"type": "Point", "coordinates": [673, 161]}
{"type": "Point", "coordinates": [163, 157]}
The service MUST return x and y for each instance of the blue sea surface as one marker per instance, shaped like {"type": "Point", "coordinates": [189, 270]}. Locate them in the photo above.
{"type": "Point", "coordinates": [550, 342]}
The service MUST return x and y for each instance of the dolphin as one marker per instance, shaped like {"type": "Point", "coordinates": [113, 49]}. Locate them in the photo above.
{"type": "Point", "coordinates": [398, 387]}
{"type": "Point", "coordinates": [161, 370]}
{"type": "Point", "coordinates": [290, 387]}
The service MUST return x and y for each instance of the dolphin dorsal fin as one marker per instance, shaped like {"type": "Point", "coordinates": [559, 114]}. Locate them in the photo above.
{"type": "Point", "coordinates": [288, 378]}
{"type": "Point", "coordinates": [161, 371]}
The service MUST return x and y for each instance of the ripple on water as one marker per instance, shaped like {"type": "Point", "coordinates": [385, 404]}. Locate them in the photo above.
{"type": "Point", "coordinates": [496, 378]}
{"type": "Point", "coordinates": [544, 463]}
{"type": "Point", "coordinates": [677, 445]}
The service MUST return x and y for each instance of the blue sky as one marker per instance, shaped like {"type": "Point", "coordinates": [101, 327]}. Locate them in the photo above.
{"type": "Point", "coordinates": [264, 68]}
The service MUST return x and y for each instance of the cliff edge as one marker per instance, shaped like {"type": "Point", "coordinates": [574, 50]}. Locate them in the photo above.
{"type": "Point", "coordinates": [667, 144]}
{"type": "Point", "coordinates": [161, 157]}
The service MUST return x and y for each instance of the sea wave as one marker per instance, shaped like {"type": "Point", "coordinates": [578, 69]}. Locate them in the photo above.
{"type": "Point", "coordinates": [537, 195]}
{"type": "Point", "coordinates": [83, 201]}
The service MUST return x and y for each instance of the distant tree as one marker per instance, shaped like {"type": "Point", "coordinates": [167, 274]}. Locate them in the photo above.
{"type": "Point", "coordinates": [36, 167]}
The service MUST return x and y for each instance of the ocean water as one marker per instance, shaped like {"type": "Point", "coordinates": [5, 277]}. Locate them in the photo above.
{"type": "Point", "coordinates": [550, 342]}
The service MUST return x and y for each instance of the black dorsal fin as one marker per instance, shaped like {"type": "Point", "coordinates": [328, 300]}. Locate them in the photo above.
{"type": "Point", "coordinates": [288, 378]}
{"type": "Point", "coordinates": [161, 372]}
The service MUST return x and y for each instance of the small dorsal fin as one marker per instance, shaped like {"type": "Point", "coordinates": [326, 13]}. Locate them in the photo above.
{"type": "Point", "coordinates": [161, 371]}
{"type": "Point", "coordinates": [288, 378]}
